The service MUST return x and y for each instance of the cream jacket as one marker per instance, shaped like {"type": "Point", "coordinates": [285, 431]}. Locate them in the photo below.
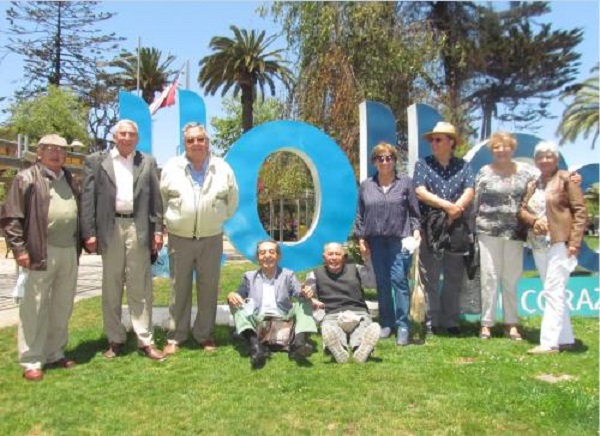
{"type": "Point", "coordinates": [201, 212]}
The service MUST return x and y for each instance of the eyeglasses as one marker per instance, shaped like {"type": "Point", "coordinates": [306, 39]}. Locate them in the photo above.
{"type": "Point", "coordinates": [437, 140]}
{"type": "Point", "coordinates": [385, 158]}
{"type": "Point", "coordinates": [54, 148]}
{"type": "Point", "coordinates": [195, 139]}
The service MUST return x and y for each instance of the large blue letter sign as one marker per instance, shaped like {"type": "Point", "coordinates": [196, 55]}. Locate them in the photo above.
{"type": "Point", "coordinates": [333, 179]}
{"type": "Point", "coordinates": [133, 108]}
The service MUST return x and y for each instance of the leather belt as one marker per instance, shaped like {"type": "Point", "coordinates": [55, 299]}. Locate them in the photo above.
{"type": "Point", "coordinates": [124, 215]}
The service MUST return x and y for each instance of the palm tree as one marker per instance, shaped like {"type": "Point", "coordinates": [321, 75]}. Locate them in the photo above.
{"type": "Point", "coordinates": [581, 115]}
{"type": "Point", "coordinates": [154, 72]}
{"type": "Point", "coordinates": [244, 64]}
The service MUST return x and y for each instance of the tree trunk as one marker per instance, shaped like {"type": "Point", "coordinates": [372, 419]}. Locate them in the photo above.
{"type": "Point", "coordinates": [247, 102]}
{"type": "Point", "coordinates": [486, 122]}
{"type": "Point", "coordinates": [55, 80]}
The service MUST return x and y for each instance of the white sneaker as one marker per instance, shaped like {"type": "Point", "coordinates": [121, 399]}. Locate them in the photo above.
{"type": "Point", "coordinates": [369, 340]}
{"type": "Point", "coordinates": [542, 350]}
{"type": "Point", "coordinates": [332, 341]}
{"type": "Point", "coordinates": [385, 332]}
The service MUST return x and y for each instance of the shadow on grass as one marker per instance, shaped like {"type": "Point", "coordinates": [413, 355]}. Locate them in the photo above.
{"type": "Point", "coordinates": [85, 351]}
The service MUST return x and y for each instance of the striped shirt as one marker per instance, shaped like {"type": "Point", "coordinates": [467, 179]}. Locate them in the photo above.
{"type": "Point", "coordinates": [391, 213]}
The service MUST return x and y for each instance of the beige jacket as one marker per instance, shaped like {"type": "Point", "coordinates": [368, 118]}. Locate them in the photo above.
{"type": "Point", "coordinates": [197, 214]}
{"type": "Point", "coordinates": [565, 209]}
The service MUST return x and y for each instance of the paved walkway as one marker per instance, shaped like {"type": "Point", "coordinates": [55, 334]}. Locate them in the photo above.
{"type": "Point", "coordinates": [89, 282]}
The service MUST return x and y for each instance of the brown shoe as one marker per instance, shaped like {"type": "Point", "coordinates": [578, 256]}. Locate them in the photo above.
{"type": "Point", "coordinates": [33, 374]}
{"type": "Point", "coordinates": [208, 345]}
{"type": "Point", "coordinates": [114, 349]}
{"type": "Point", "coordinates": [171, 348]}
{"type": "Point", "coordinates": [512, 333]}
{"type": "Point", "coordinates": [151, 352]}
{"type": "Point", "coordinates": [61, 363]}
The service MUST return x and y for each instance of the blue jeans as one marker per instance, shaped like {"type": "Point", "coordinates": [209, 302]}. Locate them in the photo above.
{"type": "Point", "coordinates": [391, 265]}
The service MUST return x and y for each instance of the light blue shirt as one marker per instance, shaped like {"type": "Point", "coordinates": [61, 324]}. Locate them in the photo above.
{"type": "Point", "coordinates": [198, 176]}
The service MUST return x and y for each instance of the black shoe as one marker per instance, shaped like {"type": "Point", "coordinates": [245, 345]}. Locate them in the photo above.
{"type": "Point", "coordinates": [258, 355]}
{"type": "Point", "coordinates": [432, 330]}
{"type": "Point", "coordinates": [300, 348]}
{"type": "Point", "coordinates": [454, 331]}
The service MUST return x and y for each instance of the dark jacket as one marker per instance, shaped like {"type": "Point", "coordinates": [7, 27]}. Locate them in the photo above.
{"type": "Point", "coordinates": [24, 215]}
{"type": "Point", "coordinates": [99, 193]}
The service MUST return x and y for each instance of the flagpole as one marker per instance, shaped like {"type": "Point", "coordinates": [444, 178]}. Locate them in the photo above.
{"type": "Point", "coordinates": [187, 74]}
{"type": "Point", "coordinates": [137, 86]}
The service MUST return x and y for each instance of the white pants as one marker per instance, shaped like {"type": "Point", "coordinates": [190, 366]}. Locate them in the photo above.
{"type": "Point", "coordinates": [554, 272]}
{"type": "Point", "coordinates": [501, 264]}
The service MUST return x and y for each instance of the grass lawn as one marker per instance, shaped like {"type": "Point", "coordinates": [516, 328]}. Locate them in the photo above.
{"type": "Point", "coordinates": [448, 386]}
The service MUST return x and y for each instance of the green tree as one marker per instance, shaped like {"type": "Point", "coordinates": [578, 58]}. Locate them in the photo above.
{"type": "Point", "coordinates": [56, 111]}
{"type": "Point", "coordinates": [520, 65]}
{"type": "Point", "coordinates": [228, 129]}
{"type": "Point", "coordinates": [60, 42]}
{"type": "Point", "coordinates": [349, 52]}
{"type": "Point", "coordinates": [103, 103]}
{"type": "Point", "coordinates": [245, 63]}
{"type": "Point", "coordinates": [284, 174]}
{"type": "Point", "coordinates": [492, 59]}
{"type": "Point", "coordinates": [154, 71]}
{"type": "Point", "coordinates": [581, 115]}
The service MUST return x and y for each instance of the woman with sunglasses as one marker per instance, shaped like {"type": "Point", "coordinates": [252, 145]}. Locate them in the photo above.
{"type": "Point", "coordinates": [388, 212]}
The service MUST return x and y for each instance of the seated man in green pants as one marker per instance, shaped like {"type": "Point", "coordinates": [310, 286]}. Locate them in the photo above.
{"type": "Point", "coordinates": [267, 293]}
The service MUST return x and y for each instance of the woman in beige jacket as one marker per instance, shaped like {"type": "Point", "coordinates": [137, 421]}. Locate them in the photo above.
{"type": "Point", "coordinates": [554, 211]}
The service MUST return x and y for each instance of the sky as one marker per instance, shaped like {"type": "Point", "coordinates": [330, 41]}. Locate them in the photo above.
{"type": "Point", "coordinates": [184, 29]}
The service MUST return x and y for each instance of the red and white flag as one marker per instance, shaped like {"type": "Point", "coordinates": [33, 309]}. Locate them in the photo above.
{"type": "Point", "coordinates": [167, 97]}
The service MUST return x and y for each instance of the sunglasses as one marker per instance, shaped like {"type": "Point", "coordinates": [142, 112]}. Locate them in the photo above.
{"type": "Point", "coordinates": [385, 158]}
{"type": "Point", "coordinates": [435, 140]}
{"type": "Point", "coordinates": [195, 139]}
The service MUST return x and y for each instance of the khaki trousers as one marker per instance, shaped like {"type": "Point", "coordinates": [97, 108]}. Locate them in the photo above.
{"type": "Point", "coordinates": [126, 262]}
{"type": "Point", "coordinates": [301, 313]}
{"type": "Point", "coordinates": [354, 338]}
{"type": "Point", "coordinates": [46, 308]}
{"type": "Point", "coordinates": [501, 264]}
{"type": "Point", "coordinates": [186, 256]}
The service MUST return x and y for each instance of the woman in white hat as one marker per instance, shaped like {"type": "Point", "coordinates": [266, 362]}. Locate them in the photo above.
{"type": "Point", "coordinates": [445, 183]}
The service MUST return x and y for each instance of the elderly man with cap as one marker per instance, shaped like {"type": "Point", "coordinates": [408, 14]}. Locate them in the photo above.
{"type": "Point", "coordinates": [40, 220]}
{"type": "Point", "coordinates": [444, 185]}
{"type": "Point", "coordinates": [199, 193]}
{"type": "Point", "coordinates": [122, 220]}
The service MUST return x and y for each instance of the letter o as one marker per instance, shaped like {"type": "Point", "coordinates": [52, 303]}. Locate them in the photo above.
{"type": "Point", "coordinates": [333, 179]}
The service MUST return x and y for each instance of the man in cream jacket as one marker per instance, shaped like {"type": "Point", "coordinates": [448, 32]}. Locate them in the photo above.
{"type": "Point", "coordinates": [199, 194]}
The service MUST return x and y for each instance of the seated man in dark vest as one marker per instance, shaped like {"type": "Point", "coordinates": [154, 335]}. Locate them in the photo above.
{"type": "Point", "coordinates": [271, 292]}
{"type": "Point", "coordinates": [347, 326]}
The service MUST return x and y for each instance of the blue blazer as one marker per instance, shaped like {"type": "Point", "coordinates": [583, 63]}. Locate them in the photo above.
{"type": "Point", "coordinates": [286, 287]}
